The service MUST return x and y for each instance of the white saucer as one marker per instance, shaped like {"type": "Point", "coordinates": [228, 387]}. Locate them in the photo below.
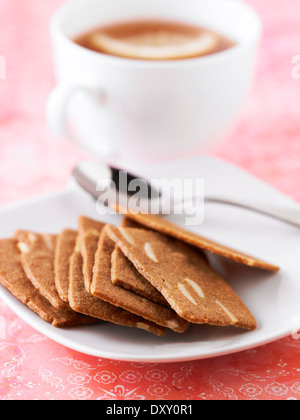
{"type": "Point", "coordinates": [274, 299]}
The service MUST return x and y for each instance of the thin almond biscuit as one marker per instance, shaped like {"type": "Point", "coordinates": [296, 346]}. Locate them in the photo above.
{"type": "Point", "coordinates": [89, 231]}
{"type": "Point", "coordinates": [129, 223]}
{"type": "Point", "coordinates": [14, 279]}
{"type": "Point", "coordinates": [81, 301]}
{"type": "Point", "coordinates": [187, 282]}
{"type": "Point", "coordinates": [162, 225]}
{"type": "Point", "coordinates": [124, 274]}
{"type": "Point", "coordinates": [37, 256]}
{"type": "Point", "coordinates": [66, 242]}
{"type": "Point", "coordinates": [103, 288]}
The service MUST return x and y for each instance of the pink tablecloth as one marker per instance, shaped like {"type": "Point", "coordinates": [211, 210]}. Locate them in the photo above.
{"type": "Point", "coordinates": [266, 142]}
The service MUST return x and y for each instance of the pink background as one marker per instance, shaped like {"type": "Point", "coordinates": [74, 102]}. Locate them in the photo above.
{"type": "Point", "coordinates": [266, 142]}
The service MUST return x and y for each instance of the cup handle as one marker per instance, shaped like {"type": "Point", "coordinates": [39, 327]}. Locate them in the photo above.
{"type": "Point", "coordinates": [57, 113]}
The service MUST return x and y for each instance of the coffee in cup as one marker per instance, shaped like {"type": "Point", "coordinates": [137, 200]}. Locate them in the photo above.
{"type": "Point", "coordinates": [154, 40]}
{"type": "Point", "coordinates": [129, 111]}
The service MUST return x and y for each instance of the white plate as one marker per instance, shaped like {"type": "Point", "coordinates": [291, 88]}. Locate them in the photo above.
{"type": "Point", "coordinates": [273, 299]}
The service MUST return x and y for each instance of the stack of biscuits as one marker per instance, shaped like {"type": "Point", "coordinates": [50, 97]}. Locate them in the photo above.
{"type": "Point", "coordinates": [147, 273]}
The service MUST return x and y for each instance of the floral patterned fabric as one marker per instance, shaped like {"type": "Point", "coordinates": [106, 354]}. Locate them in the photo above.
{"type": "Point", "coordinates": [266, 142]}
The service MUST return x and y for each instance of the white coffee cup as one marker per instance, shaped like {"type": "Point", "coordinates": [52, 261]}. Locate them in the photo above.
{"type": "Point", "coordinates": [117, 107]}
